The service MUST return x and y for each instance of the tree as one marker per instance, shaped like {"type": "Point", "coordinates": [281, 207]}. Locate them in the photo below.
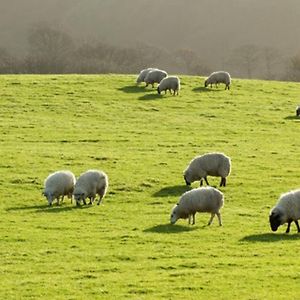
{"type": "Point", "coordinates": [49, 50]}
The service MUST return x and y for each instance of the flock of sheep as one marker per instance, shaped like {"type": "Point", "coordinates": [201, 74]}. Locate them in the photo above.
{"type": "Point", "coordinates": [203, 199]}
{"type": "Point", "coordinates": [172, 83]}
{"type": "Point", "coordinates": [88, 185]}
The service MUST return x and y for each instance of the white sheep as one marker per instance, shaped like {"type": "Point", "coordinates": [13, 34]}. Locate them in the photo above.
{"type": "Point", "coordinates": [58, 184]}
{"type": "Point", "coordinates": [169, 83]}
{"type": "Point", "coordinates": [89, 184]}
{"type": "Point", "coordinates": [213, 164]}
{"type": "Point", "coordinates": [218, 77]}
{"type": "Point", "coordinates": [141, 77]}
{"type": "Point", "coordinates": [204, 199]}
{"type": "Point", "coordinates": [155, 76]}
{"type": "Point", "coordinates": [287, 210]}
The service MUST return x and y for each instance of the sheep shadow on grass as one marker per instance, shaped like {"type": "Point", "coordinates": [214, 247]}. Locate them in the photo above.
{"type": "Point", "coordinates": [206, 89]}
{"type": "Point", "coordinates": [132, 89]}
{"type": "Point", "coordinates": [295, 118]}
{"type": "Point", "coordinates": [168, 228]}
{"type": "Point", "coordinates": [269, 237]}
{"type": "Point", "coordinates": [175, 190]}
{"type": "Point", "coordinates": [151, 97]}
{"type": "Point", "coordinates": [48, 209]}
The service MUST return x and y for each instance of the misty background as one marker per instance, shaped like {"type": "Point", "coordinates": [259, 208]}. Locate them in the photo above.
{"type": "Point", "coordinates": [248, 38]}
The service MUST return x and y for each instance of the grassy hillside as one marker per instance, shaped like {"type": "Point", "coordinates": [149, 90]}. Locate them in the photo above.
{"type": "Point", "coordinates": [126, 248]}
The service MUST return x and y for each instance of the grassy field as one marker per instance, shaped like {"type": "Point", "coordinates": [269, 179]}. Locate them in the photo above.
{"type": "Point", "coordinates": [125, 248]}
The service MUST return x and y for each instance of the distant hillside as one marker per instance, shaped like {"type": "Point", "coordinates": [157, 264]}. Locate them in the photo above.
{"type": "Point", "coordinates": [213, 29]}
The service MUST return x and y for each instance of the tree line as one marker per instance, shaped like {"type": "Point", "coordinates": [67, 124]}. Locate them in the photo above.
{"type": "Point", "coordinates": [51, 51]}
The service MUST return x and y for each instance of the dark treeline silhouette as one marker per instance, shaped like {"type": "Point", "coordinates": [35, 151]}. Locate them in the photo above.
{"type": "Point", "coordinates": [52, 51]}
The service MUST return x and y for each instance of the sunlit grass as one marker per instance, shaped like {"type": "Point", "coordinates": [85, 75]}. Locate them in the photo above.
{"type": "Point", "coordinates": [126, 248]}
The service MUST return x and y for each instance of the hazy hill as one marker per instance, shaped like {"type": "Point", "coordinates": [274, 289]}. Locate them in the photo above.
{"type": "Point", "coordinates": [212, 28]}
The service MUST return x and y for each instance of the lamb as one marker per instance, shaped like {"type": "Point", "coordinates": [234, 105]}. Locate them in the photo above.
{"type": "Point", "coordinates": [155, 76]}
{"type": "Point", "coordinates": [169, 83]}
{"type": "Point", "coordinates": [58, 184]}
{"type": "Point", "coordinates": [89, 184]}
{"type": "Point", "coordinates": [286, 210]}
{"type": "Point", "coordinates": [213, 164]}
{"type": "Point", "coordinates": [204, 199]}
{"type": "Point", "coordinates": [218, 77]}
{"type": "Point", "coordinates": [143, 74]}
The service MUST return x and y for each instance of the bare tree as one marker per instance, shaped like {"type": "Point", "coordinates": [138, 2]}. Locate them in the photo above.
{"type": "Point", "coordinates": [245, 60]}
{"type": "Point", "coordinates": [192, 63]}
{"type": "Point", "coordinates": [49, 50]}
{"type": "Point", "coordinates": [294, 68]}
{"type": "Point", "coordinates": [272, 59]}
{"type": "Point", "coordinates": [8, 63]}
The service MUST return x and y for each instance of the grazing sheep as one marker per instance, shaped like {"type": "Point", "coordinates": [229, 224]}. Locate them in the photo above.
{"type": "Point", "coordinates": [213, 164]}
{"type": "Point", "coordinates": [143, 74]}
{"type": "Point", "coordinates": [287, 210]}
{"type": "Point", "coordinates": [58, 184]}
{"type": "Point", "coordinates": [218, 77]}
{"type": "Point", "coordinates": [169, 83]}
{"type": "Point", "coordinates": [298, 110]}
{"type": "Point", "coordinates": [204, 199]}
{"type": "Point", "coordinates": [155, 76]}
{"type": "Point", "coordinates": [89, 184]}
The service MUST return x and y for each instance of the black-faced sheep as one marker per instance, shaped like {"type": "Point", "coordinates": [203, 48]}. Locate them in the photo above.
{"type": "Point", "coordinates": [213, 164]}
{"type": "Point", "coordinates": [204, 199]}
{"type": "Point", "coordinates": [287, 210]}
{"type": "Point", "coordinates": [218, 77]}
{"type": "Point", "coordinates": [89, 184]}
{"type": "Point", "coordinates": [59, 184]}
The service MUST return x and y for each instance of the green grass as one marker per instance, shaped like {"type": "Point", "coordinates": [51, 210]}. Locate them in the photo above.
{"type": "Point", "coordinates": [125, 248]}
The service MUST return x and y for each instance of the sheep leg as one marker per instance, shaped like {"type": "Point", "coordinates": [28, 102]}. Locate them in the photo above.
{"type": "Point", "coordinates": [288, 227]}
{"type": "Point", "coordinates": [99, 201]}
{"type": "Point", "coordinates": [223, 181]}
{"type": "Point", "coordinates": [84, 202]}
{"type": "Point", "coordinates": [205, 178]}
{"type": "Point", "coordinates": [219, 218]}
{"type": "Point", "coordinates": [297, 224]}
{"type": "Point", "coordinates": [201, 182]}
{"type": "Point", "coordinates": [190, 219]}
{"type": "Point", "coordinates": [91, 200]}
{"type": "Point", "coordinates": [193, 219]}
{"type": "Point", "coordinates": [211, 218]}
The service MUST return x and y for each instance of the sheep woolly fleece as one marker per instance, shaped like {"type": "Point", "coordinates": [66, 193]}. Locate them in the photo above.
{"type": "Point", "coordinates": [58, 184]}
{"type": "Point", "coordinates": [169, 83]}
{"type": "Point", "coordinates": [89, 184]}
{"type": "Point", "coordinates": [289, 206]}
{"type": "Point", "coordinates": [204, 199]}
{"type": "Point", "coordinates": [155, 76]}
{"type": "Point", "coordinates": [141, 77]}
{"type": "Point", "coordinates": [219, 77]}
{"type": "Point", "coordinates": [213, 164]}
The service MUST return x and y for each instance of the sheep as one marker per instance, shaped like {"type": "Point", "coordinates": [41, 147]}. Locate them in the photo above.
{"type": "Point", "coordinates": [298, 111]}
{"type": "Point", "coordinates": [203, 199]}
{"type": "Point", "coordinates": [287, 210]}
{"type": "Point", "coordinates": [143, 74]}
{"type": "Point", "coordinates": [155, 76]}
{"type": "Point", "coordinates": [58, 184]}
{"type": "Point", "coordinates": [213, 164]}
{"type": "Point", "coordinates": [89, 184]}
{"type": "Point", "coordinates": [218, 77]}
{"type": "Point", "coordinates": [169, 83]}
